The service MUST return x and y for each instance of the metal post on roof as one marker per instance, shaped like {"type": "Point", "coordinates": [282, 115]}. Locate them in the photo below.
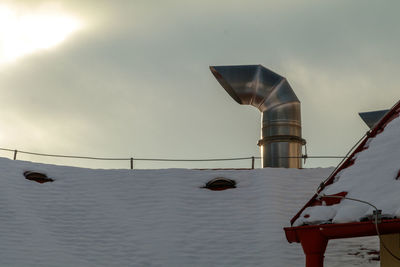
{"type": "Point", "coordinates": [131, 163]}
{"type": "Point", "coordinates": [15, 154]}
{"type": "Point", "coordinates": [252, 162]}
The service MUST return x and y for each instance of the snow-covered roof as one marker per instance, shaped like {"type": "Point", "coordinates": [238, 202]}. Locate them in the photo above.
{"type": "Point", "coordinates": [92, 217]}
{"type": "Point", "coordinates": [371, 174]}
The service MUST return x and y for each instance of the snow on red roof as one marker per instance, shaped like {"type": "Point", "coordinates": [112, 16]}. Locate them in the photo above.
{"type": "Point", "coordinates": [370, 174]}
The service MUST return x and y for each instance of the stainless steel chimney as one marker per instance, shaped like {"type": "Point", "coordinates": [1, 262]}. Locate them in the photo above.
{"type": "Point", "coordinates": [256, 85]}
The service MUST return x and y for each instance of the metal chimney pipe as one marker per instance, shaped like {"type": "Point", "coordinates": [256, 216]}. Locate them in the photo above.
{"type": "Point", "coordinates": [258, 86]}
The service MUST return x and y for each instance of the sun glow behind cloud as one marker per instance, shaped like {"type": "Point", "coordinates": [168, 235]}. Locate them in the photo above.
{"type": "Point", "coordinates": [23, 32]}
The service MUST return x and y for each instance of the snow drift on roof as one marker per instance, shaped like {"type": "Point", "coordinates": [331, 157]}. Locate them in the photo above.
{"type": "Point", "coordinates": [155, 218]}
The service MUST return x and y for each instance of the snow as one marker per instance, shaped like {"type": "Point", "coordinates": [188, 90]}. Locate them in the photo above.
{"type": "Point", "coordinates": [372, 178]}
{"type": "Point", "coordinates": [90, 217]}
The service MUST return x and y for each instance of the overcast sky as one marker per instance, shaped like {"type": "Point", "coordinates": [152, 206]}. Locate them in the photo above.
{"type": "Point", "coordinates": [131, 78]}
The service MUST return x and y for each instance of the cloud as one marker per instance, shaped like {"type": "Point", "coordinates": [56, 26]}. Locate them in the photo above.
{"type": "Point", "coordinates": [136, 81]}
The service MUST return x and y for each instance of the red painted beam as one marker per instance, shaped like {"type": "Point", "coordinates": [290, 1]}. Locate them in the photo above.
{"type": "Point", "coordinates": [314, 238]}
{"type": "Point", "coordinates": [344, 230]}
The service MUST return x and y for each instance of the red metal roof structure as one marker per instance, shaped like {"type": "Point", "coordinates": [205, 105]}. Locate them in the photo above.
{"type": "Point", "coordinates": [314, 237]}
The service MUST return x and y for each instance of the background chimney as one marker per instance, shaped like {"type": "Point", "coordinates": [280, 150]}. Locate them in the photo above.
{"type": "Point", "coordinates": [372, 117]}
{"type": "Point", "coordinates": [256, 85]}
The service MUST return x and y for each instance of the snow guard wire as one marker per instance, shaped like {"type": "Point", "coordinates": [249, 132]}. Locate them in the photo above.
{"type": "Point", "coordinates": [255, 85]}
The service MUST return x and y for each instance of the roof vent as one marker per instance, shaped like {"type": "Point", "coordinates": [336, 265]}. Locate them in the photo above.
{"type": "Point", "coordinates": [37, 177]}
{"type": "Point", "coordinates": [220, 183]}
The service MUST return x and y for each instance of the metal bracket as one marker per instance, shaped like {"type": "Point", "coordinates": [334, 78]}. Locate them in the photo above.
{"type": "Point", "coordinates": [377, 214]}
{"type": "Point", "coordinates": [281, 138]}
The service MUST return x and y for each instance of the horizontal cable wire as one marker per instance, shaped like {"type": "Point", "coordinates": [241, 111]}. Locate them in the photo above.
{"type": "Point", "coordinates": [153, 159]}
{"type": "Point", "coordinates": [226, 159]}
{"type": "Point", "coordinates": [137, 159]}
{"type": "Point", "coordinates": [314, 157]}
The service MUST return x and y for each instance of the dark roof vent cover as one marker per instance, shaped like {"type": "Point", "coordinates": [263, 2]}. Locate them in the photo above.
{"type": "Point", "coordinates": [37, 177]}
{"type": "Point", "coordinates": [220, 183]}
